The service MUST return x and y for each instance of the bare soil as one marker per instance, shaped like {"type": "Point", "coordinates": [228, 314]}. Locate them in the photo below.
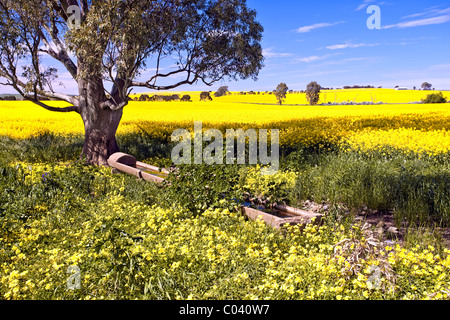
{"type": "Point", "coordinates": [383, 223]}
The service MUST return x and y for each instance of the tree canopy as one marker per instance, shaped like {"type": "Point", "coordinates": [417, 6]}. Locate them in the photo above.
{"type": "Point", "coordinates": [426, 86]}
{"type": "Point", "coordinates": [313, 92]}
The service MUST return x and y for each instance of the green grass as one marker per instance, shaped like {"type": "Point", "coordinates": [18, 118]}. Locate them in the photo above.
{"type": "Point", "coordinates": [416, 189]}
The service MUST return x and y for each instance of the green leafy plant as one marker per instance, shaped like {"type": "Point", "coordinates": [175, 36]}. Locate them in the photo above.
{"type": "Point", "coordinates": [435, 98]}
{"type": "Point", "coordinates": [199, 187]}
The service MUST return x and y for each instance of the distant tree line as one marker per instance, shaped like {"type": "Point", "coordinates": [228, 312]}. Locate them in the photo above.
{"type": "Point", "coordinates": [174, 97]}
{"type": "Point", "coordinates": [13, 98]}
{"type": "Point", "coordinates": [8, 98]}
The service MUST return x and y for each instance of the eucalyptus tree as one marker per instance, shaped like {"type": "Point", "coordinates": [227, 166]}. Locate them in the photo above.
{"type": "Point", "coordinates": [313, 92]}
{"type": "Point", "coordinates": [108, 46]}
{"type": "Point", "coordinates": [280, 92]}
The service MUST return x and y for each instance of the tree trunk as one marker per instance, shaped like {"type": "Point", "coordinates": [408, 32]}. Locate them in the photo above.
{"type": "Point", "coordinates": [100, 125]}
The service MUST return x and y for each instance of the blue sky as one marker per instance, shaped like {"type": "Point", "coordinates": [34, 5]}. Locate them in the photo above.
{"type": "Point", "coordinates": [329, 42]}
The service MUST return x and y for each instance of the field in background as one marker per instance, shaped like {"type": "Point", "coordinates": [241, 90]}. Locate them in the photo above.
{"type": "Point", "coordinates": [326, 96]}
{"type": "Point", "coordinates": [421, 128]}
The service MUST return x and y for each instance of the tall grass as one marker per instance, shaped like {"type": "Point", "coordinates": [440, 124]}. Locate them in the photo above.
{"type": "Point", "coordinates": [417, 189]}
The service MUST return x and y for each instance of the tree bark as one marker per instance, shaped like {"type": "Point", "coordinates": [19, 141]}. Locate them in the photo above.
{"type": "Point", "coordinates": [100, 125]}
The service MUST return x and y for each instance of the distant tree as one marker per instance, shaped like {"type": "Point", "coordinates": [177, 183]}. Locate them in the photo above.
{"type": "Point", "coordinates": [9, 98]}
{"type": "Point", "coordinates": [426, 86]}
{"type": "Point", "coordinates": [222, 91]}
{"type": "Point", "coordinates": [313, 92]}
{"type": "Point", "coordinates": [186, 98]}
{"type": "Point", "coordinates": [280, 92]}
{"type": "Point", "coordinates": [144, 97]}
{"type": "Point", "coordinates": [205, 96]}
{"type": "Point", "coordinates": [435, 98]}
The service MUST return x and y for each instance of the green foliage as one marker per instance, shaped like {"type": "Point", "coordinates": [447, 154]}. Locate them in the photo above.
{"type": "Point", "coordinates": [313, 92]}
{"type": "Point", "coordinates": [44, 148]}
{"type": "Point", "coordinates": [199, 187]}
{"type": "Point", "coordinates": [435, 98]}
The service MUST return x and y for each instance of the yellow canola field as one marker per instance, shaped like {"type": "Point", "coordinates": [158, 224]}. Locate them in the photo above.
{"type": "Point", "coordinates": [407, 126]}
{"type": "Point", "coordinates": [326, 96]}
{"type": "Point", "coordinates": [339, 96]}
{"type": "Point", "coordinates": [432, 143]}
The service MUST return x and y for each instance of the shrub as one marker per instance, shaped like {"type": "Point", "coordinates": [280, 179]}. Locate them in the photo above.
{"type": "Point", "coordinates": [435, 98]}
{"type": "Point", "coordinates": [199, 187]}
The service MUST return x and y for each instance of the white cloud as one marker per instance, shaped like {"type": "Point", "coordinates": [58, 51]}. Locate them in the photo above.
{"type": "Point", "coordinates": [269, 53]}
{"type": "Point", "coordinates": [443, 17]}
{"type": "Point", "coordinates": [364, 4]}
{"type": "Point", "coordinates": [313, 58]}
{"type": "Point", "coordinates": [430, 11]}
{"type": "Point", "coordinates": [351, 45]}
{"type": "Point", "coordinates": [346, 61]}
{"type": "Point", "coordinates": [317, 26]}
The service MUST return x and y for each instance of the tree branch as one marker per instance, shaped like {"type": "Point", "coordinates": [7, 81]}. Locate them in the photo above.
{"type": "Point", "coordinates": [49, 108]}
{"type": "Point", "coordinates": [61, 54]}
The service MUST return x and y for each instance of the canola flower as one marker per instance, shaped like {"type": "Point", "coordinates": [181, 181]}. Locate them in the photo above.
{"type": "Point", "coordinates": [431, 143]}
{"type": "Point", "coordinates": [131, 250]}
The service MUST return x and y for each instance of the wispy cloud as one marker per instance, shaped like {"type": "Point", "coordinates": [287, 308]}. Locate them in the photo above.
{"type": "Point", "coordinates": [428, 12]}
{"type": "Point", "coordinates": [364, 4]}
{"type": "Point", "coordinates": [349, 60]}
{"type": "Point", "coordinates": [438, 16]}
{"type": "Point", "coordinates": [270, 53]}
{"type": "Point", "coordinates": [317, 26]}
{"type": "Point", "coordinates": [314, 58]}
{"type": "Point", "coordinates": [351, 45]}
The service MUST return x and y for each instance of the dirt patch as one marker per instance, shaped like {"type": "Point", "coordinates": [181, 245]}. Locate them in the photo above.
{"type": "Point", "coordinates": [382, 222]}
